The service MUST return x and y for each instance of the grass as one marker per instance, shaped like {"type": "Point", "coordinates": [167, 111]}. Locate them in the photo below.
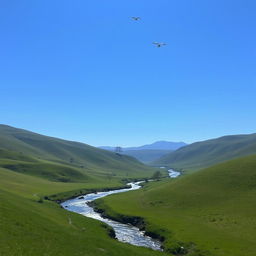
{"type": "Point", "coordinates": [33, 168]}
{"type": "Point", "coordinates": [210, 212]}
{"type": "Point", "coordinates": [82, 157]}
{"type": "Point", "coordinates": [32, 226]}
{"type": "Point", "coordinates": [66, 173]}
{"type": "Point", "coordinates": [207, 153]}
{"type": "Point", "coordinates": [64, 161]}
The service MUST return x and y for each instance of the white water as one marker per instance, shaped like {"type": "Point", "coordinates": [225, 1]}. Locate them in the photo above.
{"type": "Point", "coordinates": [173, 174]}
{"type": "Point", "coordinates": [124, 232]}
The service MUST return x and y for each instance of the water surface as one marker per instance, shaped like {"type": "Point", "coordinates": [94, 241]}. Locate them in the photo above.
{"type": "Point", "coordinates": [124, 232]}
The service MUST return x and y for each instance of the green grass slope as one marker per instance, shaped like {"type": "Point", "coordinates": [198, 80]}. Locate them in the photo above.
{"type": "Point", "coordinates": [206, 153]}
{"type": "Point", "coordinates": [212, 210]}
{"type": "Point", "coordinates": [30, 226]}
{"type": "Point", "coordinates": [34, 167]}
{"type": "Point", "coordinates": [76, 158]}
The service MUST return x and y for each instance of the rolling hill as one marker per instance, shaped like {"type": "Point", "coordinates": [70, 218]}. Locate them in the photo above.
{"type": "Point", "coordinates": [33, 153]}
{"type": "Point", "coordinates": [31, 225]}
{"type": "Point", "coordinates": [35, 168]}
{"type": "Point", "coordinates": [206, 153]}
{"type": "Point", "coordinates": [208, 213]}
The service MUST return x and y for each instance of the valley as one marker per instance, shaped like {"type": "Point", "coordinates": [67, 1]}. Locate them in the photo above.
{"type": "Point", "coordinates": [127, 128]}
{"type": "Point", "coordinates": [195, 214]}
{"type": "Point", "coordinates": [210, 212]}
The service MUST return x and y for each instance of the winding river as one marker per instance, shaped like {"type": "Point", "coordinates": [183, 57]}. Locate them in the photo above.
{"type": "Point", "coordinates": [124, 232]}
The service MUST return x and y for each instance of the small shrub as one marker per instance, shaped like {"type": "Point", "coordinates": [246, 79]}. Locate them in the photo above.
{"type": "Point", "coordinates": [40, 200]}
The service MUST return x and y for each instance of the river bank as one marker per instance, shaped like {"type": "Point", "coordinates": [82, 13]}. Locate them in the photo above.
{"type": "Point", "coordinates": [127, 229]}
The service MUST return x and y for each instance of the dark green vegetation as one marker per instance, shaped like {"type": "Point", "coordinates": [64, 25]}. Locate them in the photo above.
{"type": "Point", "coordinates": [34, 168]}
{"type": "Point", "coordinates": [147, 155]}
{"type": "Point", "coordinates": [206, 153]}
{"type": "Point", "coordinates": [210, 212]}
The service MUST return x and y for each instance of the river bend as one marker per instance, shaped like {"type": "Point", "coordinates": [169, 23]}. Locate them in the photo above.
{"type": "Point", "coordinates": [124, 232]}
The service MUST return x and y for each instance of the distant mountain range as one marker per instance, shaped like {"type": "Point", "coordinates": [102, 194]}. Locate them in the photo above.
{"type": "Point", "coordinates": [158, 145]}
{"type": "Point", "coordinates": [150, 152]}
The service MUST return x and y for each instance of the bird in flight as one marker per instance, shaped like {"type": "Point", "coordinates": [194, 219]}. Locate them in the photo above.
{"type": "Point", "coordinates": [159, 44]}
{"type": "Point", "coordinates": [136, 18]}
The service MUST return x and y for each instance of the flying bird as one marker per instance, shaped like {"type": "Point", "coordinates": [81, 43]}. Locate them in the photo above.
{"type": "Point", "coordinates": [159, 44]}
{"type": "Point", "coordinates": [136, 18]}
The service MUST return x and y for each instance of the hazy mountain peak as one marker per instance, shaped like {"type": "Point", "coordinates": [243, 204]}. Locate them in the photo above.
{"type": "Point", "coordinates": [164, 145]}
{"type": "Point", "coordinates": [150, 152]}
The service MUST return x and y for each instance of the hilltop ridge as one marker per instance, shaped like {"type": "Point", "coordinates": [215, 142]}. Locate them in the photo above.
{"type": "Point", "coordinates": [206, 153]}
{"type": "Point", "coordinates": [58, 152]}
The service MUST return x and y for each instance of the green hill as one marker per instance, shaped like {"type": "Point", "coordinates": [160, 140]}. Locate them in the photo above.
{"type": "Point", "coordinates": [34, 168]}
{"type": "Point", "coordinates": [75, 160]}
{"type": "Point", "coordinates": [210, 212]}
{"type": "Point", "coordinates": [30, 225]}
{"type": "Point", "coordinates": [206, 153]}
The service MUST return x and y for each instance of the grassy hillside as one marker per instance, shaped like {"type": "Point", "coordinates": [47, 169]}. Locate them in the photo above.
{"type": "Point", "coordinates": [34, 167]}
{"type": "Point", "coordinates": [206, 153]}
{"type": "Point", "coordinates": [38, 152]}
{"type": "Point", "coordinates": [212, 210]}
{"type": "Point", "coordinates": [147, 155]}
{"type": "Point", "coordinates": [31, 226]}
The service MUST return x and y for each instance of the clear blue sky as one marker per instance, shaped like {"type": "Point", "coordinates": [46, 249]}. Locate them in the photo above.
{"type": "Point", "coordinates": [83, 70]}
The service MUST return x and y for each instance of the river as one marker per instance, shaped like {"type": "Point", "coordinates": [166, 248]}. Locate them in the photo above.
{"type": "Point", "coordinates": [124, 232]}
